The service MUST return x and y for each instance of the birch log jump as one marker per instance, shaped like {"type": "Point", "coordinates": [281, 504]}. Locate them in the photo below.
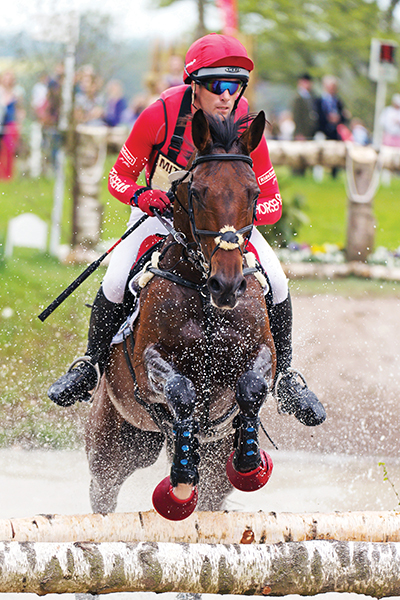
{"type": "Point", "coordinates": [329, 153]}
{"type": "Point", "coordinates": [206, 527]}
{"type": "Point", "coordinates": [305, 568]}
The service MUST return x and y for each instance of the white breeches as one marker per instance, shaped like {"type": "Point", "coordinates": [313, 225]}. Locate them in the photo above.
{"type": "Point", "coordinates": [124, 255]}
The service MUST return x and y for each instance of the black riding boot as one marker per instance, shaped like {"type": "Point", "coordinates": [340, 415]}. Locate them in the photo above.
{"type": "Point", "coordinates": [293, 397]}
{"type": "Point", "coordinates": [76, 384]}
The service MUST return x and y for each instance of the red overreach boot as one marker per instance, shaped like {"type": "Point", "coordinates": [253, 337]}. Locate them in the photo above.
{"type": "Point", "coordinates": [169, 506]}
{"type": "Point", "coordinates": [252, 480]}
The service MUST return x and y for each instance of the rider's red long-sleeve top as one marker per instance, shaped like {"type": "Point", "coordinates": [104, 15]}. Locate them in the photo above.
{"type": "Point", "coordinates": [152, 133]}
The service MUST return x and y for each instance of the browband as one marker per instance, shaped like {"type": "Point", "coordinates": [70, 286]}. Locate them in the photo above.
{"type": "Point", "coordinates": [208, 157]}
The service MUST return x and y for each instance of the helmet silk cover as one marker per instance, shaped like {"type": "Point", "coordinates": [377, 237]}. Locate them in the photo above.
{"type": "Point", "coordinates": [218, 56]}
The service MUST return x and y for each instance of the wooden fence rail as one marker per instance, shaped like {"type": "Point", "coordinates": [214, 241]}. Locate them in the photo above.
{"type": "Point", "coordinates": [206, 527]}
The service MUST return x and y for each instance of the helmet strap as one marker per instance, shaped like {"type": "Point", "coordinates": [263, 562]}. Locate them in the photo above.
{"type": "Point", "coordinates": [194, 96]}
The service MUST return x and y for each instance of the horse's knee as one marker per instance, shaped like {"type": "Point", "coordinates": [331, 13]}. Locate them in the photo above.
{"type": "Point", "coordinates": [180, 395]}
{"type": "Point", "coordinates": [251, 391]}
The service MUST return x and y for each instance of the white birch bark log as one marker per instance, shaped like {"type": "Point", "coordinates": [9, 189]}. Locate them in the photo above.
{"type": "Point", "coordinates": [91, 151]}
{"type": "Point", "coordinates": [206, 527]}
{"type": "Point", "coordinates": [305, 568]}
{"type": "Point", "coordinates": [328, 153]}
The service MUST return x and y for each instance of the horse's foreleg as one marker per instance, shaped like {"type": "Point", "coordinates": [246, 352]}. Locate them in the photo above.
{"type": "Point", "coordinates": [249, 467]}
{"type": "Point", "coordinates": [181, 397]}
{"type": "Point", "coordinates": [176, 496]}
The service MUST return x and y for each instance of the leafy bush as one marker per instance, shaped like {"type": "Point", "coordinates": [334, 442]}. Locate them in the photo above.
{"type": "Point", "coordinates": [288, 226]}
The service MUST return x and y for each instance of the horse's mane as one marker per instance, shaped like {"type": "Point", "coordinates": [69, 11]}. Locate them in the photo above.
{"type": "Point", "coordinates": [226, 132]}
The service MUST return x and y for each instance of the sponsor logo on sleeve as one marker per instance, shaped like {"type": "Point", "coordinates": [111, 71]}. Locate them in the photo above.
{"type": "Point", "coordinates": [267, 176]}
{"type": "Point", "coordinates": [269, 206]}
{"type": "Point", "coordinates": [116, 183]}
{"type": "Point", "coordinates": [127, 157]}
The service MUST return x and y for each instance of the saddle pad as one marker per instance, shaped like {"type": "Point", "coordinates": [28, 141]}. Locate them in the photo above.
{"type": "Point", "coordinates": [148, 243]}
{"type": "Point", "coordinates": [126, 327]}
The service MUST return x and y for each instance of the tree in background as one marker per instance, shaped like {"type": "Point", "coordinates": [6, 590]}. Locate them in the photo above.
{"type": "Point", "coordinates": [328, 36]}
{"type": "Point", "coordinates": [320, 37]}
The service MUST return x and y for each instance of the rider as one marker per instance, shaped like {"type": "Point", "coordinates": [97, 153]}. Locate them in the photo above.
{"type": "Point", "coordinates": [216, 74]}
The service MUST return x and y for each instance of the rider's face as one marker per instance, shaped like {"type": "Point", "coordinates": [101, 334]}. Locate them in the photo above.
{"type": "Point", "coordinates": [213, 104]}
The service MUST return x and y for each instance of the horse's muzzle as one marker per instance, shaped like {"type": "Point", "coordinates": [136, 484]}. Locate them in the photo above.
{"type": "Point", "coordinates": [225, 294]}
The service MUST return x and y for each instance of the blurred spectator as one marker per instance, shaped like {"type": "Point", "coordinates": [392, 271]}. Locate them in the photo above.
{"type": "Point", "coordinates": [39, 95]}
{"type": "Point", "coordinates": [115, 103]}
{"type": "Point", "coordinates": [360, 133]}
{"type": "Point", "coordinates": [11, 116]}
{"type": "Point", "coordinates": [332, 116]}
{"type": "Point", "coordinates": [305, 116]}
{"type": "Point", "coordinates": [390, 123]}
{"type": "Point", "coordinates": [175, 73]}
{"type": "Point", "coordinates": [286, 125]}
{"type": "Point", "coordinates": [154, 86]}
{"type": "Point", "coordinates": [46, 102]}
{"type": "Point", "coordinates": [89, 105]}
{"type": "Point", "coordinates": [330, 109]}
{"type": "Point", "coordinates": [137, 104]}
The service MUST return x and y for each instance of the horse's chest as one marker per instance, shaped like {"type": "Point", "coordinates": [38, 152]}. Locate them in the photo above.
{"type": "Point", "coordinates": [215, 345]}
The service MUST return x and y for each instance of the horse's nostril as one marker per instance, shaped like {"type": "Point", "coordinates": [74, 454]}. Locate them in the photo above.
{"type": "Point", "coordinates": [214, 286]}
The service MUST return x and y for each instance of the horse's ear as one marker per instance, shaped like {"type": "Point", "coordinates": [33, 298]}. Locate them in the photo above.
{"type": "Point", "coordinates": [253, 134]}
{"type": "Point", "coordinates": [200, 131]}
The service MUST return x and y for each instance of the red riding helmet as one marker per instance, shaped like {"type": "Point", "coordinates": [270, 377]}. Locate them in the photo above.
{"type": "Point", "coordinates": [217, 56]}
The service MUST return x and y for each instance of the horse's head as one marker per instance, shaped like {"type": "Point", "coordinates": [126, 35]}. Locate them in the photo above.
{"type": "Point", "coordinates": [222, 197]}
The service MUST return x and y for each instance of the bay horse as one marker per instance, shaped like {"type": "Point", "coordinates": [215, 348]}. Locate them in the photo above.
{"type": "Point", "coordinates": [200, 359]}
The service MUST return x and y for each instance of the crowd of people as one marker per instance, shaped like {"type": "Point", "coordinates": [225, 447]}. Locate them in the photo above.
{"type": "Point", "coordinates": [96, 102]}
{"type": "Point", "coordinates": [323, 115]}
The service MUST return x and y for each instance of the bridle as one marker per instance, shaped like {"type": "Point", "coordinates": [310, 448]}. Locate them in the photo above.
{"type": "Point", "coordinates": [227, 238]}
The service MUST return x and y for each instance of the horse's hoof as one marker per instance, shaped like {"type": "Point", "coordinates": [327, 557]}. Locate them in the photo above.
{"type": "Point", "coordinates": [169, 506]}
{"type": "Point", "coordinates": [253, 480]}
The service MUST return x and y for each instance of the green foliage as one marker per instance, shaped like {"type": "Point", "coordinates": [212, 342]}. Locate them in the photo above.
{"type": "Point", "coordinates": [331, 36]}
{"type": "Point", "coordinates": [387, 478]}
{"type": "Point", "coordinates": [287, 228]}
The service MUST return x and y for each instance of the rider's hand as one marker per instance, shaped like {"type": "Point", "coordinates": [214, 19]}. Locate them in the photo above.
{"type": "Point", "coordinates": [148, 200]}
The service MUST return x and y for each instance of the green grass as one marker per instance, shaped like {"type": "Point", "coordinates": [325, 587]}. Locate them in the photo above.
{"type": "Point", "coordinates": [33, 354]}
{"type": "Point", "coordinates": [326, 208]}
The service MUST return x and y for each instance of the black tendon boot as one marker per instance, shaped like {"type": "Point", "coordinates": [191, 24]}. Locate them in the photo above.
{"type": "Point", "coordinates": [292, 395]}
{"type": "Point", "coordinates": [76, 384]}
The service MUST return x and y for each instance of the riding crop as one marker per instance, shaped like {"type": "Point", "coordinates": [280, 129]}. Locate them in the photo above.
{"type": "Point", "coordinates": [88, 271]}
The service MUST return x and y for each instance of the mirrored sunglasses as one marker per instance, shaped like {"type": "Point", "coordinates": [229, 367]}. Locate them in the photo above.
{"type": "Point", "coordinates": [215, 86]}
